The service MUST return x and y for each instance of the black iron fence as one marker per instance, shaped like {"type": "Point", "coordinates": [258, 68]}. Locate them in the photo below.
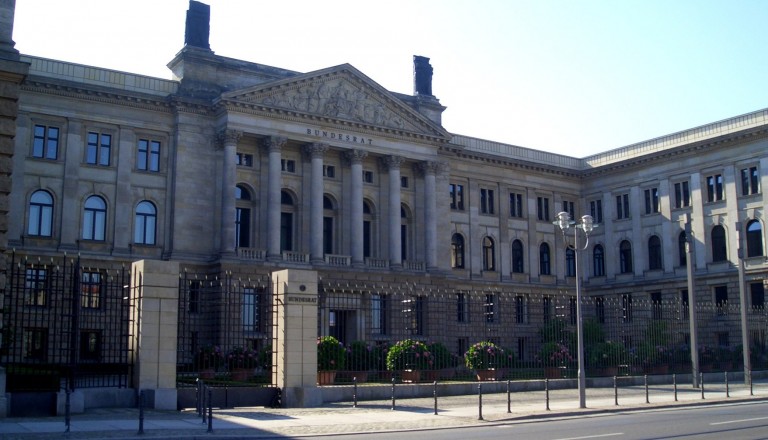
{"type": "Point", "coordinates": [65, 325]}
{"type": "Point", "coordinates": [225, 330]}
{"type": "Point", "coordinates": [388, 330]}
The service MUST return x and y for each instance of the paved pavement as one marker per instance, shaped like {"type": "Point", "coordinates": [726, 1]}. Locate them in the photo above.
{"type": "Point", "coordinates": [372, 416]}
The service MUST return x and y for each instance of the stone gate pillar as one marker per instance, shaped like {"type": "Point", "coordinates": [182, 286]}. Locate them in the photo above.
{"type": "Point", "coordinates": [295, 354]}
{"type": "Point", "coordinates": [155, 316]}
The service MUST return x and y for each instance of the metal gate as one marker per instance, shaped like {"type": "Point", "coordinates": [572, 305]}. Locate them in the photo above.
{"type": "Point", "coordinates": [225, 338]}
{"type": "Point", "coordinates": [65, 325]}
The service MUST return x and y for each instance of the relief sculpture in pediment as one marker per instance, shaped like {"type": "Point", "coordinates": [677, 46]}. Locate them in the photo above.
{"type": "Point", "coordinates": [336, 99]}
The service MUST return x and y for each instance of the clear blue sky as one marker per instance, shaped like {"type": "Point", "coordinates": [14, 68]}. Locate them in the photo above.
{"type": "Point", "coordinates": [570, 77]}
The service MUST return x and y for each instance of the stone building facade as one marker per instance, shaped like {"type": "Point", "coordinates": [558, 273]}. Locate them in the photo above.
{"type": "Point", "coordinates": [234, 166]}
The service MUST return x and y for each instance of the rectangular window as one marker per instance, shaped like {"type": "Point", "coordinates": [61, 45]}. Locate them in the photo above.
{"type": "Point", "coordinates": [35, 344]}
{"type": "Point", "coordinates": [490, 308]}
{"type": "Point", "coordinates": [99, 149]}
{"type": "Point", "coordinates": [682, 195]}
{"type": "Point", "coordinates": [596, 210]}
{"type": "Point", "coordinates": [568, 207]}
{"type": "Point", "coordinates": [462, 307]}
{"type": "Point", "coordinates": [90, 345]}
{"type": "Point", "coordinates": [36, 288]}
{"type": "Point", "coordinates": [750, 181]}
{"type": "Point", "coordinates": [757, 293]}
{"type": "Point", "coordinates": [413, 310]}
{"type": "Point", "coordinates": [288, 165]}
{"type": "Point", "coordinates": [244, 160]}
{"type": "Point", "coordinates": [367, 176]}
{"type": "Point", "coordinates": [457, 196]}
{"type": "Point", "coordinates": [194, 296]}
{"type": "Point", "coordinates": [486, 201]}
{"type": "Point", "coordinates": [378, 314]}
{"type": "Point", "coordinates": [46, 142]}
{"type": "Point", "coordinates": [520, 310]}
{"type": "Point", "coordinates": [547, 308]}
{"type": "Point", "coordinates": [652, 201]}
{"type": "Point", "coordinates": [252, 310]}
{"type": "Point", "coordinates": [403, 181]}
{"type": "Point", "coordinates": [329, 171]}
{"type": "Point", "coordinates": [684, 304]}
{"type": "Point", "coordinates": [148, 155]}
{"type": "Point", "coordinates": [600, 309]}
{"type": "Point", "coordinates": [656, 305]}
{"type": "Point", "coordinates": [721, 299]}
{"type": "Point", "coordinates": [542, 208]}
{"type": "Point", "coordinates": [515, 205]}
{"type": "Point", "coordinates": [90, 290]}
{"type": "Point", "coordinates": [622, 206]}
{"type": "Point", "coordinates": [715, 188]}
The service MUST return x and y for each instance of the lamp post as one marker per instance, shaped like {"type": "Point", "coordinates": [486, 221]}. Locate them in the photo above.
{"type": "Point", "coordinates": [587, 225]}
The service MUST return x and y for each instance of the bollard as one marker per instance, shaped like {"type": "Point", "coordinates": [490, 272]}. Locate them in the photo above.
{"type": "Point", "coordinates": [434, 394]}
{"type": "Point", "coordinates": [645, 379]}
{"type": "Point", "coordinates": [480, 401]}
{"type": "Point", "coordinates": [203, 402]}
{"type": "Point", "coordinates": [393, 394]}
{"type": "Point", "coordinates": [210, 410]}
{"type": "Point", "coordinates": [701, 381]}
{"type": "Point", "coordinates": [198, 406]}
{"type": "Point", "coordinates": [727, 388]}
{"type": "Point", "coordinates": [354, 392]}
{"type": "Point", "coordinates": [615, 390]}
{"type": "Point", "coordinates": [546, 392]}
{"type": "Point", "coordinates": [141, 413]}
{"type": "Point", "coordinates": [674, 385]}
{"type": "Point", "coordinates": [66, 412]}
{"type": "Point", "coordinates": [509, 399]}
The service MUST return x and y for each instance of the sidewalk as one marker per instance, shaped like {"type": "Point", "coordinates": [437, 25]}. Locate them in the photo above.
{"type": "Point", "coordinates": [369, 416]}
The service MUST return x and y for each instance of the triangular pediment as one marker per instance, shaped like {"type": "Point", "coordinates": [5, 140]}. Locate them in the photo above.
{"type": "Point", "coordinates": [340, 93]}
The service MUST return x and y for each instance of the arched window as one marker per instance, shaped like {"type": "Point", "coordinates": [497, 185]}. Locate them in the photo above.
{"type": "Point", "coordinates": [545, 268]}
{"type": "Point", "coordinates": [242, 217]}
{"type": "Point", "coordinates": [625, 257]}
{"type": "Point", "coordinates": [754, 239]}
{"type": "Point", "coordinates": [489, 254]}
{"type": "Point", "coordinates": [518, 259]}
{"type": "Point", "coordinates": [40, 214]}
{"type": "Point", "coordinates": [368, 223]}
{"type": "Point", "coordinates": [94, 218]}
{"type": "Point", "coordinates": [654, 253]}
{"type": "Point", "coordinates": [682, 254]}
{"type": "Point", "coordinates": [719, 248]}
{"type": "Point", "coordinates": [457, 251]}
{"type": "Point", "coordinates": [570, 263]}
{"type": "Point", "coordinates": [145, 223]}
{"type": "Point", "coordinates": [286, 221]}
{"type": "Point", "coordinates": [598, 261]}
{"type": "Point", "coordinates": [329, 214]}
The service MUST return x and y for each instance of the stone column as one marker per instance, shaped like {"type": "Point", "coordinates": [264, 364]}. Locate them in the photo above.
{"type": "Point", "coordinates": [295, 354]}
{"type": "Point", "coordinates": [392, 163]}
{"type": "Point", "coordinates": [316, 152]}
{"type": "Point", "coordinates": [228, 140]}
{"type": "Point", "coordinates": [430, 169]}
{"type": "Point", "coordinates": [155, 297]}
{"type": "Point", "coordinates": [356, 228]}
{"type": "Point", "coordinates": [274, 144]}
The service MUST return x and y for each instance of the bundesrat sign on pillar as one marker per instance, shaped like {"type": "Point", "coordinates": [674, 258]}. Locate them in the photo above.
{"type": "Point", "coordinates": [295, 354]}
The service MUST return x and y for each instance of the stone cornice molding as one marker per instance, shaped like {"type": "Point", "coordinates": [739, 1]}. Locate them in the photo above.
{"type": "Point", "coordinates": [275, 143]}
{"type": "Point", "coordinates": [88, 94]}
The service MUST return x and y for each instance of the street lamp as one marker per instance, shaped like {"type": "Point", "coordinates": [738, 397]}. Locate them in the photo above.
{"type": "Point", "coordinates": [587, 225]}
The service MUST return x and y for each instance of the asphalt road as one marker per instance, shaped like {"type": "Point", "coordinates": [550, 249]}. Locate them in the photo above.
{"type": "Point", "coordinates": [748, 421]}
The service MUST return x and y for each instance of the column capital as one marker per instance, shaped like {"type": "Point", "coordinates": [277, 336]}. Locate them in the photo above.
{"type": "Point", "coordinates": [355, 156]}
{"type": "Point", "coordinates": [392, 162]}
{"type": "Point", "coordinates": [228, 136]}
{"type": "Point", "coordinates": [315, 149]}
{"type": "Point", "coordinates": [431, 167]}
{"type": "Point", "coordinates": [275, 143]}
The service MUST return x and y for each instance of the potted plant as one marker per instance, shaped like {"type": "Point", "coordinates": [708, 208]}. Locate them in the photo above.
{"type": "Point", "coordinates": [331, 357]}
{"type": "Point", "coordinates": [445, 361]}
{"type": "Point", "coordinates": [207, 360]}
{"type": "Point", "coordinates": [607, 356]}
{"type": "Point", "coordinates": [409, 357]}
{"type": "Point", "coordinates": [362, 357]}
{"type": "Point", "coordinates": [654, 358]}
{"type": "Point", "coordinates": [556, 358]}
{"type": "Point", "coordinates": [241, 362]}
{"type": "Point", "coordinates": [488, 360]}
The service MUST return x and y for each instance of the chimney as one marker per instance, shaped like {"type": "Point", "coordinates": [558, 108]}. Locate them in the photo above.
{"type": "Point", "coordinates": [422, 76]}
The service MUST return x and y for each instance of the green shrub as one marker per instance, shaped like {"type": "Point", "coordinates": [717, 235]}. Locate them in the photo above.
{"type": "Point", "coordinates": [331, 354]}
{"type": "Point", "coordinates": [409, 354]}
{"type": "Point", "coordinates": [484, 355]}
